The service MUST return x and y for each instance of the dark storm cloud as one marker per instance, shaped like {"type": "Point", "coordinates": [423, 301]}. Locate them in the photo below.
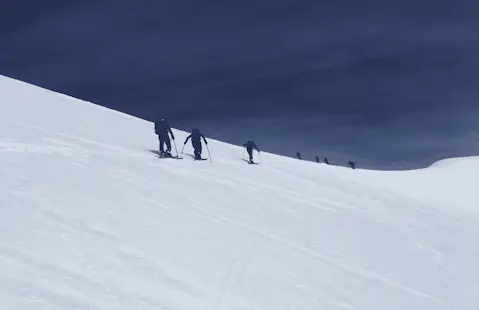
{"type": "Point", "coordinates": [347, 76]}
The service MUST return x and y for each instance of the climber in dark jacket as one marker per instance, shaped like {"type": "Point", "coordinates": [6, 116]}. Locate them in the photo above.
{"type": "Point", "coordinates": [162, 128]}
{"type": "Point", "coordinates": [196, 136]}
{"type": "Point", "coordinates": [250, 146]}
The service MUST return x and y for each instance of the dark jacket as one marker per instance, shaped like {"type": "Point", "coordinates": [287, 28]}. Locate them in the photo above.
{"type": "Point", "coordinates": [196, 136]}
{"type": "Point", "coordinates": [250, 145]}
{"type": "Point", "coordinates": [162, 128]}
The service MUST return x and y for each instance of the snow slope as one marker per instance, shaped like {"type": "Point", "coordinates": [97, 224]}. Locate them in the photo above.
{"type": "Point", "coordinates": [91, 219]}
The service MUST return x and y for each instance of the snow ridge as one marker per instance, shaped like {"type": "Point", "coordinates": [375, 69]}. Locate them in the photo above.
{"type": "Point", "coordinates": [92, 219]}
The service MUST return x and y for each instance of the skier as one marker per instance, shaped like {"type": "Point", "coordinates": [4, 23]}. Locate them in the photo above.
{"type": "Point", "coordinates": [250, 145]}
{"type": "Point", "coordinates": [196, 136]}
{"type": "Point", "coordinates": [162, 128]}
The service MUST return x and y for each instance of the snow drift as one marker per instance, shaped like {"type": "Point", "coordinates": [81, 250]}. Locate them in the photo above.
{"type": "Point", "coordinates": [91, 219]}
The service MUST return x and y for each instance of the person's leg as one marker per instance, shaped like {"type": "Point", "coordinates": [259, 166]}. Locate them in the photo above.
{"type": "Point", "coordinates": [160, 138]}
{"type": "Point", "coordinates": [168, 145]}
{"type": "Point", "coordinates": [195, 150]}
{"type": "Point", "coordinates": [250, 153]}
{"type": "Point", "coordinates": [198, 149]}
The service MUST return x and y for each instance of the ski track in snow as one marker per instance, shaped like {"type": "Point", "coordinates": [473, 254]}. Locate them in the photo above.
{"type": "Point", "coordinates": [92, 219]}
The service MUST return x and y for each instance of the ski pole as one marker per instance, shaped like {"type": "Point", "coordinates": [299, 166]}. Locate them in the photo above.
{"type": "Point", "coordinates": [176, 149]}
{"type": "Point", "coordinates": [259, 154]}
{"type": "Point", "coordinates": [183, 148]}
{"type": "Point", "coordinates": [209, 154]}
{"type": "Point", "coordinates": [244, 150]}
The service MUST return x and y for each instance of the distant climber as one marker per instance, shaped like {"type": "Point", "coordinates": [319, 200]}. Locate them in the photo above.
{"type": "Point", "coordinates": [298, 155]}
{"type": "Point", "coordinates": [196, 136]}
{"type": "Point", "coordinates": [250, 146]}
{"type": "Point", "coordinates": [325, 160]}
{"type": "Point", "coordinates": [162, 128]}
{"type": "Point", "coordinates": [352, 164]}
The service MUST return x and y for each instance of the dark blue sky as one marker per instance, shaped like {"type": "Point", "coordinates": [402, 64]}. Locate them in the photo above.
{"type": "Point", "coordinates": [390, 84]}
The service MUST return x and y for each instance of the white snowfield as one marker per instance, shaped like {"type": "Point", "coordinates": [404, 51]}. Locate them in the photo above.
{"type": "Point", "coordinates": [91, 219]}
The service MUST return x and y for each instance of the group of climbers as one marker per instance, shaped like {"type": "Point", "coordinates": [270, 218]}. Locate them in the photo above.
{"type": "Point", "coordinates": [163, 130]}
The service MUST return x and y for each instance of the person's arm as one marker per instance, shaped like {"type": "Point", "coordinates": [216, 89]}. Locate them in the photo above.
{"type": "Point", "coordinates": [256, 147]}
{"type": "Point", "coordinates": [188, 138]}
{"type": "Point", "coordinates": [204, 139]}
{"type": "Point", "coordinates": [171, 133]}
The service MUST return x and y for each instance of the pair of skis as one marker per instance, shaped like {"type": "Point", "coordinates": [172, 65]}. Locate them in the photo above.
{"type": "Point", "coordinates": [160, 155]}
{"type": "Point", "coordinates": [250, 161]}
{"type": "Point", "coordinates": [201, 159]}
{"type": "Point", "coordinates": [179, 157]}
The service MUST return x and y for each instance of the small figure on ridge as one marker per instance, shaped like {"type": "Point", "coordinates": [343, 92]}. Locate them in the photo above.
{"type": "Point", "coordinates": [196, 136]}
{"type": "Point", "coordinates": [250, 146]}
{"type": "Point", "coordinates": [162, 128]}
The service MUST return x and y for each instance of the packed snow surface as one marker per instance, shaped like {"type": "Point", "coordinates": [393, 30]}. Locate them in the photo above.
{"type": "Point", "coordinates": [92, 219]}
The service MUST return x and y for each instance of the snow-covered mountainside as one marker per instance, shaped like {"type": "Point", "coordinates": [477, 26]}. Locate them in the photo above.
{"type": "Point", "coordinates": [91, 219]}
